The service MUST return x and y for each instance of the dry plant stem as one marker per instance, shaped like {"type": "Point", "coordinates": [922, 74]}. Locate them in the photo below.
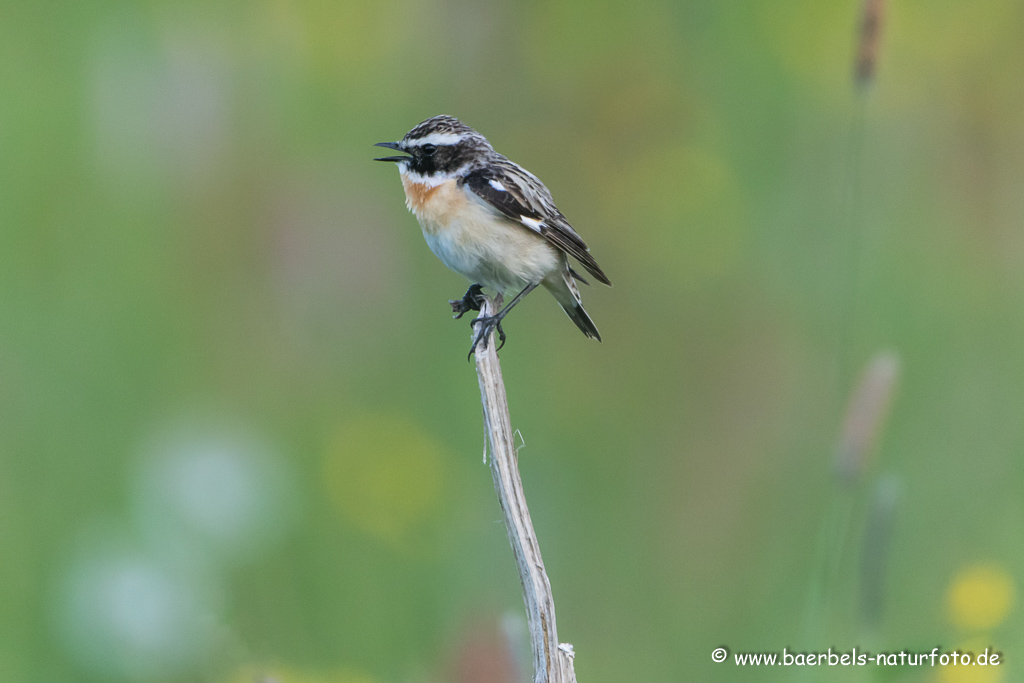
{"type": "Point", "coordinates": [552, 662]}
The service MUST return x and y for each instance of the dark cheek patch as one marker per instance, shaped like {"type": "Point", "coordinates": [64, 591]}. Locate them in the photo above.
{"type": "Point", "coordinates": [423, 165]}
{"type": "Point", "coordinates": [445, 159]}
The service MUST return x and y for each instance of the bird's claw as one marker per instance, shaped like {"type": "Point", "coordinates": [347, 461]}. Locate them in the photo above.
{"type": "Point", "coordinates": [471, 301]}
{"type": "Point", "coordinates": [488, 325]}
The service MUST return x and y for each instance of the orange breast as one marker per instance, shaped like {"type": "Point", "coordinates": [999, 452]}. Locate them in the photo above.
{"type": "Point", "coordinates": [418, 194]}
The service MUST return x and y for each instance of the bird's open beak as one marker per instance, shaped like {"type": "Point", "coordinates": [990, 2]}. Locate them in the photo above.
{"type": "Point", "coordinates": [391, 145]}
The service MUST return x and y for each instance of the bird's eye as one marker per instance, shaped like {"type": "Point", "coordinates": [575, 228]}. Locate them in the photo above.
{"type": "Point", "coordinates": [429, 149]}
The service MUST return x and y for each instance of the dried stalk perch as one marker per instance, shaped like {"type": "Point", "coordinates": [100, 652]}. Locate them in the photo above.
{"type": "Point", "coordinates": [552, 661]}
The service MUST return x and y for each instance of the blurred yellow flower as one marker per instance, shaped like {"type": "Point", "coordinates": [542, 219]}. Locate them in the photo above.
{"type": "Point", "coordinates": [281, 674]}
{"type": "Point", "coordinates": [973, 673]}
{"type": "Point", "coordinates": [980, 597]}
{"type": "Point", "coordinates": [383, 474]}
{"type": "Point", "coordinates": [970, 674]}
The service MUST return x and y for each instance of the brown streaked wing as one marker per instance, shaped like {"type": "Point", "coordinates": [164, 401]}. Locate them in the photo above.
{"type": "Point", "coordinates": [521, 196]}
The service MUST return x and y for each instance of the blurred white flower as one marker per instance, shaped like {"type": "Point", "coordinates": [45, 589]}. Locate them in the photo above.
{"type": "Point", "coordinates": [213, 493]}
{"type": "Point", "coordinates": [122, 614]}
{"type": "Point", "coordinates": [148, 605]}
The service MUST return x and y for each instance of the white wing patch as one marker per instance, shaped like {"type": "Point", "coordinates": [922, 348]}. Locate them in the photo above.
{"type": "Point", "coordinates": [531, 223]}
{"type": "Point", "coordinates": [497, 185]}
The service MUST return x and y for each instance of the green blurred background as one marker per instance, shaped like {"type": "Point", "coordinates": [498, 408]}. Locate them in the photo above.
{"type": "Point", "coordinates": [239, 438]}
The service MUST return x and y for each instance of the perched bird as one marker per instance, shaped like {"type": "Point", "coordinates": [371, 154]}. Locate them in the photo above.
{"type": "Point", "coordinates": [491, 221]}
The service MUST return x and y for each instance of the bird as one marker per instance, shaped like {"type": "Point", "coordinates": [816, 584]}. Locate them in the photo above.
{"type": "Point", "coordinates": [491, 221]}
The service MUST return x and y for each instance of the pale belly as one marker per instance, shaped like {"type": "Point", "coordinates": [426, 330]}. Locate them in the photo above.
{"type": "Point", "coordinates": [477, 242]}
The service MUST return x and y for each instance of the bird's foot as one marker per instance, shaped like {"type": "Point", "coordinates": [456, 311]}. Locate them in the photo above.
{"type": "Point", "coordinates": [472, 301]}
{"type": "Point", "coordinates": [488, 325]}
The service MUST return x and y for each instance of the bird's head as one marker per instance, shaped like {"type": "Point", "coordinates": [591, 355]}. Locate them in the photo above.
{"type": "Point", "coordinates": [439, 148]}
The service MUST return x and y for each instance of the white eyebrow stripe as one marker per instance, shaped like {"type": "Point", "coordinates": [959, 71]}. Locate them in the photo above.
{"type": "Point", "coordinates": [531, 223]}
{"type": "Point", "coordinates": [437, 139]}
{"type": "Point", "coordinates": [497, 185]}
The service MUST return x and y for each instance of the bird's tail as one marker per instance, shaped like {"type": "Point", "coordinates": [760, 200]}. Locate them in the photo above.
{"type": "Point", "coordinates": [564, 290]}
